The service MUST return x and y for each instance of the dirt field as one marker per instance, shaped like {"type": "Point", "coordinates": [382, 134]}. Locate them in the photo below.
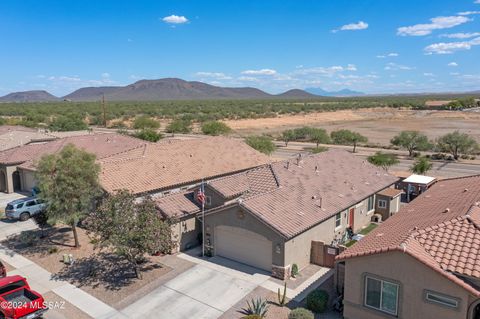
{"type": "Point", "coordinates": [378, 124]}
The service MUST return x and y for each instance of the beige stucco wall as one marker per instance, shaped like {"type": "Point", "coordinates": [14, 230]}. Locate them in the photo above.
{"type": "Point", "coordinates": [237, 217]}
{"type": "Point", "coordinates": [8, 171]}
{"type": "Point", "coordinates": [413, 277]}
{"type": "Point", "coordinates": [185, 233]}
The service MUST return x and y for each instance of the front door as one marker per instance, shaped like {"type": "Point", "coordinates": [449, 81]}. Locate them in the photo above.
{"type": "Point", "coordinates": [351, 217]}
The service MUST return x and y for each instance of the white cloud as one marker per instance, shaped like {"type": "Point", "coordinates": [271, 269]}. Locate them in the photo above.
{"type": "Point", "coordinates": [467, 13]}
{"type": "Point", "coordinates": [391, 54]}
{"type": "Point", "coordinates": [428, 74]}
{"type": "Point", "coordinates": [174, 19]}
{"type": "Point", "coordinates": [248, 79]}
{"type": "Point", "coordinates": [436, 23]}
{"type": "Point", "coordinates": [453, 64]}
{"type": "Point", "coordinates": [394, 67]}
{"type": "Point", "coordinates": [105, 75]}
{"type": "Point", "coordinates": [451, 47]}
{"type": "Point", "coordinates": [260, 72]}
{"type": "Point", "coordinates": [460, 35]}
{"type": "Point", "coordinates": [360, 25]}
{"type": "Point", "coordinates": [214, 75]}
{"type": "Point", "coordinates": [326, 71]}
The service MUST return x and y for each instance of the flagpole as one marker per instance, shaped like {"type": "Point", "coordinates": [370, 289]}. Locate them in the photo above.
{"type": "Point", "coordinates": [203, 220]}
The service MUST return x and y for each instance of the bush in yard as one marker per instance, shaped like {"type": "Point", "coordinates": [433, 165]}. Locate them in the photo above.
{"type": "Point", "coordinates": [294, 270]}
{"type": "Point", "coordinates": [301, 313]}
{"type": "Point", "coordinates": [257, 307]}
{"type": "Point", "coordinates": [317, 301]}
{"type": "Point", "coordinates": [148, 135]}
{"type": "Point", "coordinates": [179, 126]}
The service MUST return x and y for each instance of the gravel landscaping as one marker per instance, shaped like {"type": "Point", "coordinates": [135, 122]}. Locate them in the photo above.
{"type": "Point", "coordinates": [101, 274]}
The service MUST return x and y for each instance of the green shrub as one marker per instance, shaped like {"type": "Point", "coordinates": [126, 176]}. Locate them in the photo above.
{"type": "Point", "coordinates": [258, 307]}
{"type": "Point", "coordinates": [215, 128]}
{"type": "Point", "coordinates": [148, 135]}
{"type": "Point", "coordinates": [294, 270]}
{"type": "Point", "coordinates": [52, 250]}
{"type": "Point", "coordinates": [179, 126]}
{"type": "Point", "coordinates": [27, 238]}
{"type": "Point", "coordinates": [317, 301]}
{"type": "Point", "coordinates": [144, 122]}
{"type": "Point", "coordinates": [64, 123]}
{"type": "Point", "coordinates": [261, 143]}
{"type": "Point", "coordinates": [301, 313]}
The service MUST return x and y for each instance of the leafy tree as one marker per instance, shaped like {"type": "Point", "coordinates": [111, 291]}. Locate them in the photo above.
{"type": "Point", "coordinates": [144, 122]}
{"type": "Point", "coordinates": [421, 166]}
{"type": "Point", "coordinates": [383, 160]}
{"type": "Point", "coordinates": [68, 183]}
{"type": "Point", "coordinates": [148, 135]}
{"type": "Point", "coordinates": [215, 128]}
{"type": "Point", "coordinates": [72, 122]}
{"type": "Point", "coordinates": [302, 133]}
{"type": "Point", "coordinates": [261, 143]}
{"type": "Point", "coordinates": [457, 143]}
{"type": "Point", "coordinates": [319, 135]}
{"type": "Point", "coordinates": [131, 228]}
{"type": "Point", "coordinates": [412, 141]}
{"type": "Point", "coordinates": [179, 126]}
{"type": "Point", "coordinates": [454, 105]}
{"type": "Point", "coordinates": [287, 136]}
{"type": "Point", "coordinates": [347, 137]}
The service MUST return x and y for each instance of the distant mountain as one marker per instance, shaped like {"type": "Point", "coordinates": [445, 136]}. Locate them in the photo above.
{"type": "Point", "coordinates": [165, 89]}
{"type": "Point", "coordinates": [298, 94]}
{"type": "Point", "coordinates": [344, 92]}
{"type": "Point", "coordinates": [29, 96]}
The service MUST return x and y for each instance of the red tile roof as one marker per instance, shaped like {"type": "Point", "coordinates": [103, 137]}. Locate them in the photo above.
{"type": "Point", "coordinates": [178, 205]}
{"type": "Point", "coordinates": [440, 228]}
{"type": "Point", "coordinates": [172, 163]}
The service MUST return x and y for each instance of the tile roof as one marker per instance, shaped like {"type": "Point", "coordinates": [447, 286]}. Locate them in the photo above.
{"type": "Point", "coordinates": [390, 192]}
{"type": "Point", "coordinates": [440, 228]}
{"type": "Point", "coordinates": [177, 162]}
{"type": "Point", "coordinates": [102, 145]}
{"type": "Point", "coordinates": [14, 136]}
{"type": "Point", "coordinates": [316, 189]}
{"type": "Point", "coordinates": [178, 205]}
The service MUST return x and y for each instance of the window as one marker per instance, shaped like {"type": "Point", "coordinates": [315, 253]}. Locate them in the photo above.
{"type": "Point", "coordinates": [338, 220]}
{"type": "Point", "coordinates": [30, 203]}
{"type": "Point", "coordinates": [20, 205]}
{"type": "Point", "coordinates": [208, 200]}
{"type": "Point", "coordinates": [441, 299]}
{"type": "Point", "coordinates": [382, 203]}
{"type": "Point", "coordinates": [370, 203]}
{"type": "Point", "coordinates": [381, 295]}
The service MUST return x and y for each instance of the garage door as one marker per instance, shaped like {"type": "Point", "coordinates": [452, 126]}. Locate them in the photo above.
{"type": "Point", "coordinates": [243, 246]}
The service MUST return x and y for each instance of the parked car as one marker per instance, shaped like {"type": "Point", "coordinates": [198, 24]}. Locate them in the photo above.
{"type": "Point", "coordinates": [24, 208]}
{"type": "Point", "coordinates": [18, 301]}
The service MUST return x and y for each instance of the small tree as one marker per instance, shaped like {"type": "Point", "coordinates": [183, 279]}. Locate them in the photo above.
{"type": "Point", "coordinates": [132, 229]}
{"type": "Point", "coordinates": [412, 141]}
{"type": "Point", "coordinates": [71, 122]}
{"type": "Point", "coordinates": [145, 122]}
{"type": "Point", "coordinates": [287, 136]}
{"type": "Point", "coordinates": [68, 183]}
{"type": "Point", "coordinates": [215, 128]}
{"type": "Point", "coordinates": [179, 126]}
{"type": "Point", "coordinates": [148, 135]}
{"type": "Point", "coordinates": [421, 165]}
{"type": "Point", "coordinates": [261, 143]}
{"type": "Point", "coordinates": [319, 135]}
{"type": "Point", "coordinates": [457, 143]}
{"type": "Point", "coordinates": [347, 137]}
{"type": "Point", "coordinates": [383, 160]}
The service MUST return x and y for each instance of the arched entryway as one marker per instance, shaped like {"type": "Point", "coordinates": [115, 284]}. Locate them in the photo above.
{"type": "Point", "coordinates": [474, 310]}
{"type": "Point", "coordinates": [17, 185]}
{"type": "Point", "coordinates": [3, 182]}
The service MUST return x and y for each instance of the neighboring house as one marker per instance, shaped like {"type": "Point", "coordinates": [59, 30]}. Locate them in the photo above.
{"type": "Point", "coordinates": [13, 136]}
{"type": "Point", "coordinates": [267, 217]}
{"type": "Point", "coordinates": [415, 185]}
{"type": "Point", "coordinates": [423, 262]}
{"type": "Point", "coordinates": [387, 202]}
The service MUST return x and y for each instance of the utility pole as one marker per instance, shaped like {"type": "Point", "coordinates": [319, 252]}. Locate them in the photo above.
{"type": "Point", "coordinates": [104, 111]}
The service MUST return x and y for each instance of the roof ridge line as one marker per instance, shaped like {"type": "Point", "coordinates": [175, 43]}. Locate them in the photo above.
{"type": "Point", "coordinates": [124, 151]}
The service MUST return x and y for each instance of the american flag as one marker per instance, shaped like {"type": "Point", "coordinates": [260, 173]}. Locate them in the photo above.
{"type": "Point", "coordinates": [201, 194]}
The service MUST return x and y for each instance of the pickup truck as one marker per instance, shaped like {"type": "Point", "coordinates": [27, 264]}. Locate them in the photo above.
{"type": "Point", "coordinates": [18, 301]}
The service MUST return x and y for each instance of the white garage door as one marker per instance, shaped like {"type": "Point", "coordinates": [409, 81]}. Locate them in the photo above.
{"type": "Point", "coordinates": [243, 246]}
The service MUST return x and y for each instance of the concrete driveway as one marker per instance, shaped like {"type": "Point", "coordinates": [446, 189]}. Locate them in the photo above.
{"type": "Point", "coordinates": [205, 291]}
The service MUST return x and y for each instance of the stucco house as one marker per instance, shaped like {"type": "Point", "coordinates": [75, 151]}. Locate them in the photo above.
{"type": "Point", "coordinates": [423, 262]}
{"type": "Point", "coordinates": [268, 216]}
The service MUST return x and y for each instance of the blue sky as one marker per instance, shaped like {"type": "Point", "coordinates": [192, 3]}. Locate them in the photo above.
{"type": "Point", "coordinates": [372, 46]}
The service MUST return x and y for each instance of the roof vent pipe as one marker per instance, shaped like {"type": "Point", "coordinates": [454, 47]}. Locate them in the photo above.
{"type": "Point", "coordinates": [447, 210]}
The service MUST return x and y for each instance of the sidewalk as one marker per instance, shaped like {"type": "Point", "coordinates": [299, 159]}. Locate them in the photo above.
{"type": "Point", "coordinates": [41, 281]}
